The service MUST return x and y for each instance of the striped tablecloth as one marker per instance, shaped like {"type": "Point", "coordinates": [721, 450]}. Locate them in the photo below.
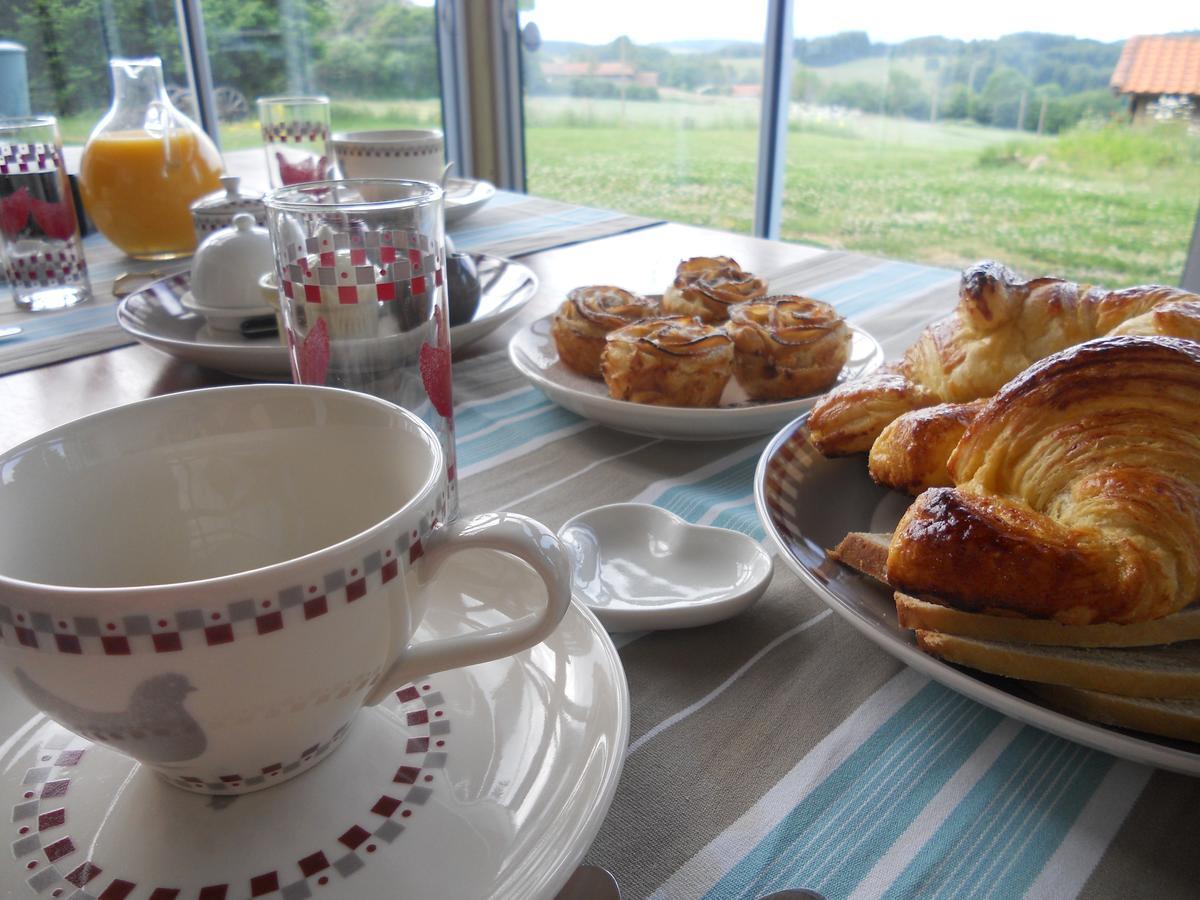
{"type": "Point", "coordinates": [510, 225]}
{"type": "Point", "coordinates": [780, 748]}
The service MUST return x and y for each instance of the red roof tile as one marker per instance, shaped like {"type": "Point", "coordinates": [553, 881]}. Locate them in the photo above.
{"type": "Point", "coordinates": [1158, 65]}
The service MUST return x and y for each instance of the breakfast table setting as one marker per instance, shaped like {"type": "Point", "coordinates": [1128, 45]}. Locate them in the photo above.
{"type": "Point", "coordinates": [626, 664]}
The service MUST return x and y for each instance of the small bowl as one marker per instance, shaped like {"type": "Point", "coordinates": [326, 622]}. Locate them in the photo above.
{"type": "Point", "coordinates": [640, 568]}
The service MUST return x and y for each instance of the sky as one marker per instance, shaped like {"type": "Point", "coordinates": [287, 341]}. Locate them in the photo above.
{"type": "Point", "coordinates": [886, 21]}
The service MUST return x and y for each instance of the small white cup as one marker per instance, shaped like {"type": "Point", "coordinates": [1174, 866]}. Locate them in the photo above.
{"type": "Point", "coordinates": [215, 582]}
{"type": "Point", "coordinates": [416, 154]}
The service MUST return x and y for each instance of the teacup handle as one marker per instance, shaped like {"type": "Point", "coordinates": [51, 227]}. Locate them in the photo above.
{"type": "Point", "coordinates": [525, 539]}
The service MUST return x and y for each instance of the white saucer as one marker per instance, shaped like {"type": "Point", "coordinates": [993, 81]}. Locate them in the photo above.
{"type": "Point", "coordinates": [533, 352]}
{"type": "Point", "coordinates": [489, 781]}
{"type": "Point", "coordinates": [156, 316]}
{"type": "Point", "coordinates": [465, 196]}
{"type": "Point", "coordinates": [642, 568]}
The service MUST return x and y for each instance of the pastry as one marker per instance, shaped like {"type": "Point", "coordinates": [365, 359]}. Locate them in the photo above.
{"type": "Point", "coordinates": [911, 453]}
{"type": "Point", "coordinates": [587, 316]}
{"type": "Point", "coordinates": [786, 346]}
{"type": "Point", "coordinates": [668, 361]}
{"type": "Point", "coordinates": [707, 286]}
{"type": "Point", "coordinates": [1000, 326]}
{"type": "Point", "coordinates": [1077, 492]}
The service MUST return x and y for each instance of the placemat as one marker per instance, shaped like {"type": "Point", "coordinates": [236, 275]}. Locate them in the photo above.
{"type": "Point", "coordinates": [510, 225]}
{"type": "Point", "coordinates": [780, 748]}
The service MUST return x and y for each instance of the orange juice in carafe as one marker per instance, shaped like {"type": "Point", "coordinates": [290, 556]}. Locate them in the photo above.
{"type": "Point", "coordinates": [138, 186]}
{"type": "Point", "coordinates": [144, 165]}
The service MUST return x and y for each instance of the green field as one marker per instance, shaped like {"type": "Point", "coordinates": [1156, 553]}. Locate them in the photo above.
{"type": "Point", "coordinates": [1114, 205]}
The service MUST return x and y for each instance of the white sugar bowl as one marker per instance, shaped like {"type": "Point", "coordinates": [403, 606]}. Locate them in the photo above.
{"type": "Point", "coordinates": [225, 274]}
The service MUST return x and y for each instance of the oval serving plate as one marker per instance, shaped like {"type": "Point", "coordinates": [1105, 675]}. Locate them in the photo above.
{"type": "Point", "coordinates": [532, 351]}
{"type": "Point", "coordinates": [808, 503]}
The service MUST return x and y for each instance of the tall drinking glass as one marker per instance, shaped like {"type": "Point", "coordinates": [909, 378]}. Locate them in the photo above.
{"type": "Point", "coordinates": [360, 267]}
{"type": "Point", "coordinates": [40, 248]}
{"type": "Point", "coordinates": [295, 132]}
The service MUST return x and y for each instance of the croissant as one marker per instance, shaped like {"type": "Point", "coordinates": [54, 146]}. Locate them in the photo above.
{"type": "Point", "coordinates": [912, 451]}
{"type": "Point", "coordinates": [1000, 326]}
{"type": "Point", "coordinates": [1077, 492]}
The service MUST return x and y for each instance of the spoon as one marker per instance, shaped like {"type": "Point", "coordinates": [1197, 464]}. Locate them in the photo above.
{"type": "Point", "coordinates": [590, 883]}
{"type": "Point", "coordinates": [10, 332]}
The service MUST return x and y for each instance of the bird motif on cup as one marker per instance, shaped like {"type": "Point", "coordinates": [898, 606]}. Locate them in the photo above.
{"type": "Point", "coordinates": [154, 728]}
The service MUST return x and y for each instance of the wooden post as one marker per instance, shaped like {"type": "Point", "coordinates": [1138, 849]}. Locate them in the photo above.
{"type": "Point", "coordinates": [1042, 115]}
{"type": "Point", "coordinates": [1021, 111]}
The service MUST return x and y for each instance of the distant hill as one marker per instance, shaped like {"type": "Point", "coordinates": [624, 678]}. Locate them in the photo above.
{"type": "Point", "coordinates": [716, 45]}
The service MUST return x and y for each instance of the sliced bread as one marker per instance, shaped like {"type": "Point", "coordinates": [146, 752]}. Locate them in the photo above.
{"type": "Point", "coordinates": [1158, 672]}
{"type": "Point", "coordinates": [1168, 718]}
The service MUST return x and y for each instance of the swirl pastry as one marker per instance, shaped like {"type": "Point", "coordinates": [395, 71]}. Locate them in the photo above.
{"type": "Point", "coordinates": [669, 361]}
{"type": "Point", "coordinates": [1000, 326]}
{"type": "Point", "coordinates": [587, 316]}
{"type": "Point", "coordinates": [1077, 492]}
{"type": "Point", "coordinates": [785, 347]}
{"type": "Point", "coordinates": [706, 286]}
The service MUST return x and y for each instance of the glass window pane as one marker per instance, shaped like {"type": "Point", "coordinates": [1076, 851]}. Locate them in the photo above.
{"type": "Point", "coordinates": [649, 108]}
{"type": "Point", "coordinates": [68, 45]}
{"type": "Point", "coordinates": [948, 134]}
{"type": "Point", "coordinates": [376, 60]}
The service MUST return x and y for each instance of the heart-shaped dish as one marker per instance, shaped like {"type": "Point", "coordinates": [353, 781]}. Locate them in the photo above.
{"type": "Point", "coordinates": [639, 568]}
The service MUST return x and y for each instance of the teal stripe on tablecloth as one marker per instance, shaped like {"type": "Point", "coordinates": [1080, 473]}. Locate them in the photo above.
{"type": "Point", "coordinates": [1000, 836]}
{"type": "Point", "coordinates": [479, 416]}
{"type": "Point", "coordinates": [476, 238]}
{"type": "Point", "coordinates": [71, 321]}
{"type": "Point", "coordinates": [887, 283]}
{"type": "Point", "coordinates": [693, 500]}
{"type": "Point", "coordinates": [742, 518]}
{"type": "Point", "coordinates": [473, 451]}
{"type": "Point", "coordinates": [839, 827]}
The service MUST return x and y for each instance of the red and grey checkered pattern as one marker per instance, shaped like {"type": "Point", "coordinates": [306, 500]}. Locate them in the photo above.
{"type": "Point", "coordinates": [29, 159]}
{"type": "Point", "coordinates": [242, 619]}
{"type": "Point", "coordinates": [63, 265]}
{"type": "Point", "coordinates": [55, 865]}
{"type": "Point", "coordinates": [362, 267]}
{"type": "Point", "coordinates": [295, 132]}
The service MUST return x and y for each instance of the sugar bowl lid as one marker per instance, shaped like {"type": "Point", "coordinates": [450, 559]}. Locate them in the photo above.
{"type": "Point", "coordinates": [229, 263]}
{"type": "Point", "coordinates": [230, 201]}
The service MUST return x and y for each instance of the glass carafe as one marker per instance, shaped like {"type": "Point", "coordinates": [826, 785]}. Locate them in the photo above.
{"type": "Point", "coordinates": [144, 164]}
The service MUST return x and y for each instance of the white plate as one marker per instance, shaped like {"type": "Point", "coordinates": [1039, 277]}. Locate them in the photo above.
{"type": "Point", "coordinates": [808, 503]}
{"type": "Point", "coordinates": [465, 196]}
{"type": "Point", "coordinates": [532, 351]}
{"type": "Point", "coordinates": [155, 315]}
{"type": "Point", "coordinates": [642, 568]}
{"type": "Point", "coordinates": [503, 773]}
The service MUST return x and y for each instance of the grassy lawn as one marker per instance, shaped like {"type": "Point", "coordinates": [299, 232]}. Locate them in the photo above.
{"type": "Point", "coordinates": [947, 203]}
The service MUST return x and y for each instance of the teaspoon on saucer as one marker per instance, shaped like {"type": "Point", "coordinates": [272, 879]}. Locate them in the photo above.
{"type": "Point", "coordinates": [640, 568]}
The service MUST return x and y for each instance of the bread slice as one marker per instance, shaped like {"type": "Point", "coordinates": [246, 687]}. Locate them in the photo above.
{"type": "Point", "coordinates": [1158, 672]}
{"type": "Point", "coordinates": [914, 613]}
{"type": "Point", "coordinates": [866, 552]}
{"type": "Point", "coordinates": [1168, 718]}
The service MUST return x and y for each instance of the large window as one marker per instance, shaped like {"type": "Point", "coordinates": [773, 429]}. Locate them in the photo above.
{"type": "Point", "coordinates": [651, 108]}
{"type": "Point", "coordinates": [946, 141]}
{"type": "Point", "coordinates": [68, 44]}
{"type": "Point", "coordinates": [376, 60]}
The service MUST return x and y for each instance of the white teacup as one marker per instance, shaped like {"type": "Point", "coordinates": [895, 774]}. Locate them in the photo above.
{"type": "Point", "coordinates": [215, 582]}
{"type": "Point", "coordinates": [400, 153]}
